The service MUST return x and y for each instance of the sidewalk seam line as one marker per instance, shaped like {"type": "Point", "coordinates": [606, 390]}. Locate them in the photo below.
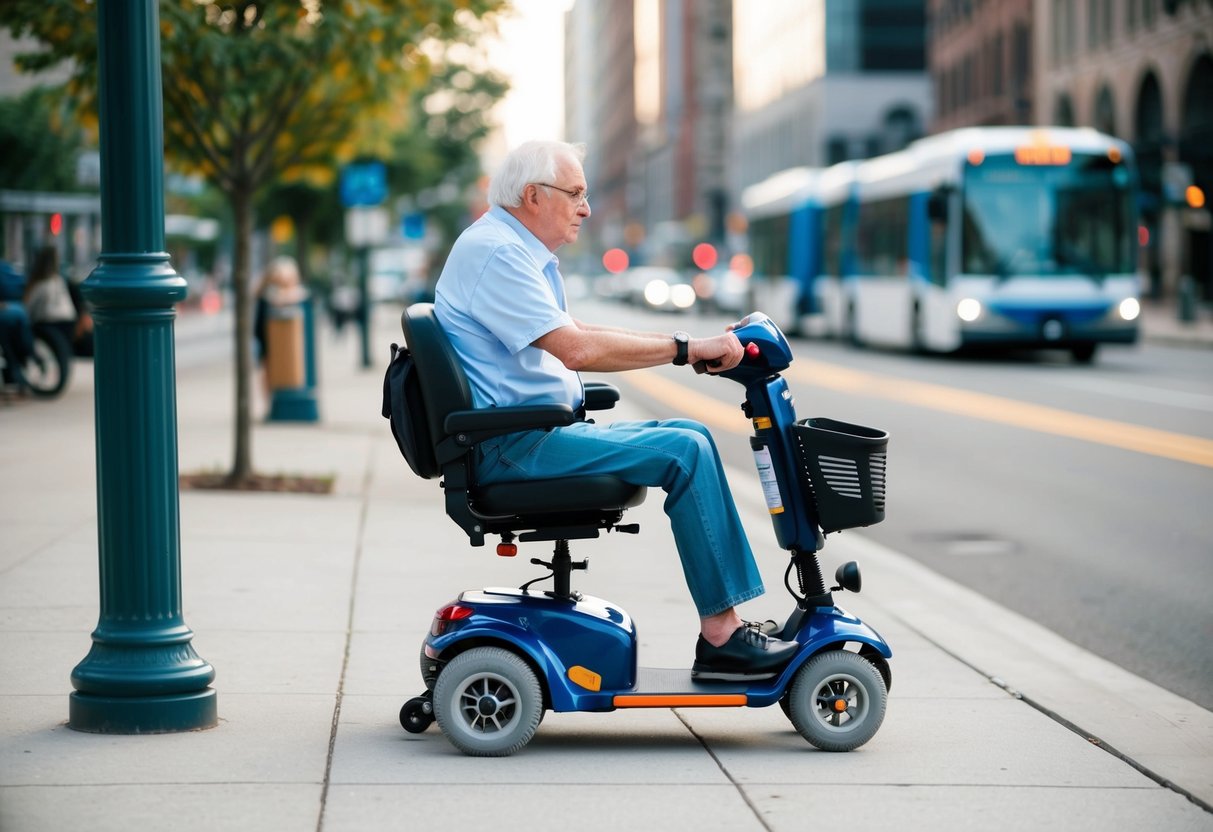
{"type": "Point", "coordinates": [1073, 727]}
{"type": "Point", "coordinates": [349, 634]}
{"type": "Point", "coordinates": [720, 765]}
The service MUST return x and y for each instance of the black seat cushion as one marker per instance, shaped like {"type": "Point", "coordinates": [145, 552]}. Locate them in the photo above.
{"type": "Point", "coordinates": [566, 494]}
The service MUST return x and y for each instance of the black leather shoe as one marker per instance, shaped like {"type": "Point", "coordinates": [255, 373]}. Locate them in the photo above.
{"type": "Point", "coordinates": [748, 654]}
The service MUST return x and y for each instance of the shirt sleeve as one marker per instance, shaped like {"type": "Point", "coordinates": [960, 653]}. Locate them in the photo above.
{"type": "Point", "coordinates": [514, 300]}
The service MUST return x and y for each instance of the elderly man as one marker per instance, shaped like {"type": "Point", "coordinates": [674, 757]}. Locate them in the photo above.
{"type": "Point", "coordinates": [501, 301]}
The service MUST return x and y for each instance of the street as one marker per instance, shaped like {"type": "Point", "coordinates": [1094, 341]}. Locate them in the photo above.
{"type": "Point", "coordinates": [989, 484]}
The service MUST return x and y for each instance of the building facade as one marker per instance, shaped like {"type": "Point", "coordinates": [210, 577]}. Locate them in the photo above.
{"type": "Point", "coordinates": [1142, 70]}
{"type": "Point", "coordinates": [980, 57]}
{"type": "Point", "coordinates": [822, 81]}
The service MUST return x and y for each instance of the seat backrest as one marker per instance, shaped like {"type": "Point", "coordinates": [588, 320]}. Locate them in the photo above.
{"type": "Point", "coordinates": [444, 386]}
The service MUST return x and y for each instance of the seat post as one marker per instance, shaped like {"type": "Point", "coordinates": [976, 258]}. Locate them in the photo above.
{"type": "Point", "coordinates": [562, 566]}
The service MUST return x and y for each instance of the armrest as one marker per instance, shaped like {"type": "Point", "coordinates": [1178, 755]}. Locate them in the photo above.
{"type": "Point", "coordinates": [481, 424]}
{"type": "Point", "coordinates": [599, 395]}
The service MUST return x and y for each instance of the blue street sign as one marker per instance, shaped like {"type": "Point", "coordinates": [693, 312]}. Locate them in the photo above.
{"type": "Point", "coordinates": [412, 226]}
{"type": "Point", "coordinates": [363, 184]}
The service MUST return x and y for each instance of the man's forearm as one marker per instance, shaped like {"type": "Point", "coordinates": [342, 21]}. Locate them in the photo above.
{"type": "Point", "coordinates": [639, 334]}
{"type": "Point", "coordinates": [607, 349]}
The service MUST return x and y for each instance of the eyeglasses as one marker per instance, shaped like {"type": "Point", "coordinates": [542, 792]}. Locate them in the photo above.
{"type": "Point", "coordinates": [578, 195]}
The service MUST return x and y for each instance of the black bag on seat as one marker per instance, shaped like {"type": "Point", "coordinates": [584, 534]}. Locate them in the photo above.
{"type": "Point", "coordinates": [403, 407]}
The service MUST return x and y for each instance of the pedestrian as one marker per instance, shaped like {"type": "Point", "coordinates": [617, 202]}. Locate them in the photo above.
{"type": "Point", "coordinates": [501, 301]}
{"type": "Point", "coordinates": [48, 298]}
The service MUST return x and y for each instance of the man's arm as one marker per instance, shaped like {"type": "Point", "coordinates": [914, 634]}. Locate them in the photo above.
{"type": "Point", "coordinates": [606, 349]}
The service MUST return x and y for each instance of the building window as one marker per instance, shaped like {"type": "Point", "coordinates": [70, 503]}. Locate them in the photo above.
{"type": "Point", "coordinates": [996, 64]}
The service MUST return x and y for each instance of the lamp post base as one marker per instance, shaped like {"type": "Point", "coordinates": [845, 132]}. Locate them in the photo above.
{"type": "Point", "coordinates": [192, 711]}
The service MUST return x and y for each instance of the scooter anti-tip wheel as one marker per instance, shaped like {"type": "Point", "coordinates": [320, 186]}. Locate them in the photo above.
{"type": "Point", "coordinates": [488, 702]}
{"type": "Point", "coordinates": [417, 714]}
{"type": "Point", "coordinates": [837, 700]}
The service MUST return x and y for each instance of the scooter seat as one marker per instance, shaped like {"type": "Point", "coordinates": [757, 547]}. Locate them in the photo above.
{"type": "Point", "coordinates": [565, 494]}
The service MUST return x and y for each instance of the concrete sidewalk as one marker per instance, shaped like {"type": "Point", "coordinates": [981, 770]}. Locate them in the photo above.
{"type": "Point", "coordinates": [312, 608]}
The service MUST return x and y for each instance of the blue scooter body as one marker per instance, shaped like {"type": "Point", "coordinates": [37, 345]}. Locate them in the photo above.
{"type": "Point", "coordinates": [586, 649]}
{"type": "Point", "coordinates": [591, 642]}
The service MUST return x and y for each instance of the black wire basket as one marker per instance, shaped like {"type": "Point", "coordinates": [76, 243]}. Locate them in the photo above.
{"type": "Point", "coordinates": [843, 468]}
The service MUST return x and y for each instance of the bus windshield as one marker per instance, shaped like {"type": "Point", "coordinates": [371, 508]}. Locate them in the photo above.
{"type": "Point", "coordinates": [1023, 219]}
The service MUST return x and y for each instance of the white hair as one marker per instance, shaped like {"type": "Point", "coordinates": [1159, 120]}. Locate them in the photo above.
{"type": "Point", "coordinates": [534, 161]}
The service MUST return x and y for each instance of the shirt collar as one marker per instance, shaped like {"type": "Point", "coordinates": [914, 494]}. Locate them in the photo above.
{"type": "Point", "coordinates": [542, 255]}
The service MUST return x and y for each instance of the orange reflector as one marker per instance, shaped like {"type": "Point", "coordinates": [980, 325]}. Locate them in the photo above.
{"type": "Point", "coordinates": [679, 700]}
{"type": "Point", "coordinates": [840, 705]}
{"type": "Point", "coordinates": [585, 677]}
{"type": "Point", "coordinates": [507, 550]}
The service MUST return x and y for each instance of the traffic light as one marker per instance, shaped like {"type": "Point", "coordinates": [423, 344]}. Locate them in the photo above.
{"type": "Point", "coordinates": [704, 256]}
{"type": "Point", "coordinates": [56, 224]}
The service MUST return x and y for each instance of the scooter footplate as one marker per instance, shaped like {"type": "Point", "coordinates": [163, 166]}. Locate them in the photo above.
{"type": "Point", "coordinates": [659, 687]}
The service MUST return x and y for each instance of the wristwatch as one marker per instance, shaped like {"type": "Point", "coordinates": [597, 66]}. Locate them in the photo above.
{"type": "Point", "coordinates": [682, 341]}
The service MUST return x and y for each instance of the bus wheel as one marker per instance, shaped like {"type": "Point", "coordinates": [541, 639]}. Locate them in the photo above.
{"type": "Point", "coordinates": [853, 327]}
{"type": "Point", "coordinates": [917, 343]}
{"type": "Point", "coordinates": [1083, 353]}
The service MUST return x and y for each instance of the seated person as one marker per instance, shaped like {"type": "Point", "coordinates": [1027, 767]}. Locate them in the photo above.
{"type": "Point", "coordinates": [16, 334]}
{"type": "Point", "coordinates": [501, 301]}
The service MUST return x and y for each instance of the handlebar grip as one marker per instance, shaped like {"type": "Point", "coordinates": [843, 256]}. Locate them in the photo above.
{"type": "Point", "coordinates": [752, 351]}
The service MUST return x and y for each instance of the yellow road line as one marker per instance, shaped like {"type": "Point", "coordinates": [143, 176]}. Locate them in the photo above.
{"type": "Point", "coordinates": [1050, 420]}
{"type": "Point", "coordinates": [712, 412]}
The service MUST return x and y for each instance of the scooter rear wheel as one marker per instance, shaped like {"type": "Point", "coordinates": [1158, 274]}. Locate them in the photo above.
{"type": "Point", "coordinates": [488, 702]}
{"type": "Point", "coordinates": [837, 700]}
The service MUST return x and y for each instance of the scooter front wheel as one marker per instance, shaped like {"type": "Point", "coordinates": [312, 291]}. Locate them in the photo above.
{"type": "Point", "coordinates": [837, 700]}
{"type": "Point", "coordinates": [488, 702]}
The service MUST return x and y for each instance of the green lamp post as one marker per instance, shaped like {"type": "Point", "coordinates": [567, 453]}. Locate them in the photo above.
{"type": "Point", "coordinates": [141, 674]}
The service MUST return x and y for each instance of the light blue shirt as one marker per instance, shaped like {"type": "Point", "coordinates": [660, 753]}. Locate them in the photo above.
{"type": "Point", "coordinates": [500, 290]}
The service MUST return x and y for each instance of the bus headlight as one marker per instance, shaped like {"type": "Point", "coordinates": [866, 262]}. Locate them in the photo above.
{"type": "Point", "coordinates": [1129, 309]}
{"type": "Point", "coordinates": [968, 310]}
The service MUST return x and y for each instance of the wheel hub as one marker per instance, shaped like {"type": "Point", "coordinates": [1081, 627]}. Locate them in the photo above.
{"type": "Point", "coordinates": [487, 705]}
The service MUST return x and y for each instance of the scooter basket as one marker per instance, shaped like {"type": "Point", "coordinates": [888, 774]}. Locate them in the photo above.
{"type": "Point", "coordinates": [843, 468]}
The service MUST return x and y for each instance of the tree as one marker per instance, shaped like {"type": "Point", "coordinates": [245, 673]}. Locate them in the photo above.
{"type": "Point", "coordinates": [39, 142]}
{"type": "Point", "coordinates": [257, 93]}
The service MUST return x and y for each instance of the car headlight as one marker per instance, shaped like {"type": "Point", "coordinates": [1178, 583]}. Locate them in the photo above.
{"type": "Point", "coordinates": [968, 310]}
{"type": "Point", "coordinates": [656, 292]}
{"type": "Point", "coordinates": [1129, 309]}
{"type": "Point", "coordinates": [682, 295]}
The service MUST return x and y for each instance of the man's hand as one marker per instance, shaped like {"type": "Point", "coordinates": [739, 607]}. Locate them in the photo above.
{"type": "Point", "coordinates": [720, 353]}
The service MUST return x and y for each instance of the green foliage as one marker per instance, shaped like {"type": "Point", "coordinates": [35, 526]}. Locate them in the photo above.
{"type": "Point", "coordinates": [257, 92]}
{"type": "Point", "coordinates": [38, 143]}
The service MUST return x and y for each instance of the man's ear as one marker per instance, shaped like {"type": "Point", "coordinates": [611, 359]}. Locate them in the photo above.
{"type": "Point", "coordinates": [530, 198]}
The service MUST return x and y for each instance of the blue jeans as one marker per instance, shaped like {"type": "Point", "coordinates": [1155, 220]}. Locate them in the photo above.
{"type": "Point", "coordinates": [676, 454]}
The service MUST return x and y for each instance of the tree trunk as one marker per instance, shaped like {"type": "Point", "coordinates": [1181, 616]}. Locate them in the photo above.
{"type": "Point", "coordinates": [242, 211]}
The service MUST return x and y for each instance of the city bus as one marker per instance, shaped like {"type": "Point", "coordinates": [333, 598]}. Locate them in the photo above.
{"type": "Point", "coordinates": [982, 237]}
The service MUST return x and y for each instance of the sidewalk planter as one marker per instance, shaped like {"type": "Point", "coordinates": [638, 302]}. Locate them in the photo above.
{"type": "Point", "coordinates": [291, 362]}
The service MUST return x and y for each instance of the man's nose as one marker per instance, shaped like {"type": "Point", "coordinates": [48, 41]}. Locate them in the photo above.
{"type": "Point", "coordinates": [583, 210]}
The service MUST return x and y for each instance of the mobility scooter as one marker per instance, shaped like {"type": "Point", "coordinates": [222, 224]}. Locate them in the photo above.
{"type": "Point", "coordinates": [496, 659]}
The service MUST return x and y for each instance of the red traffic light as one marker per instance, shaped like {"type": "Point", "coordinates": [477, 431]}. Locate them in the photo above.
{"type": "Point", "coordinates": [56, 224]}
{"type": "Point", "coordinates": [614, 260]}
{"type": "Point", "coordinates": [704, 256]}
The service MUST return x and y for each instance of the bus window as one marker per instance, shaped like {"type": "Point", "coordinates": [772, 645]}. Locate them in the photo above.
{"type": "Point", "coordinates": [1047, 219]}
{"type": "Point", "coordinates": [883, 237]}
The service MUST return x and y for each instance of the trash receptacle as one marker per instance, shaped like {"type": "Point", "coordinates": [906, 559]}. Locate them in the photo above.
{"type": "Point", "coordinates": [290, 362]}
{"type": "Point", "coordinates": [284, 347]}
